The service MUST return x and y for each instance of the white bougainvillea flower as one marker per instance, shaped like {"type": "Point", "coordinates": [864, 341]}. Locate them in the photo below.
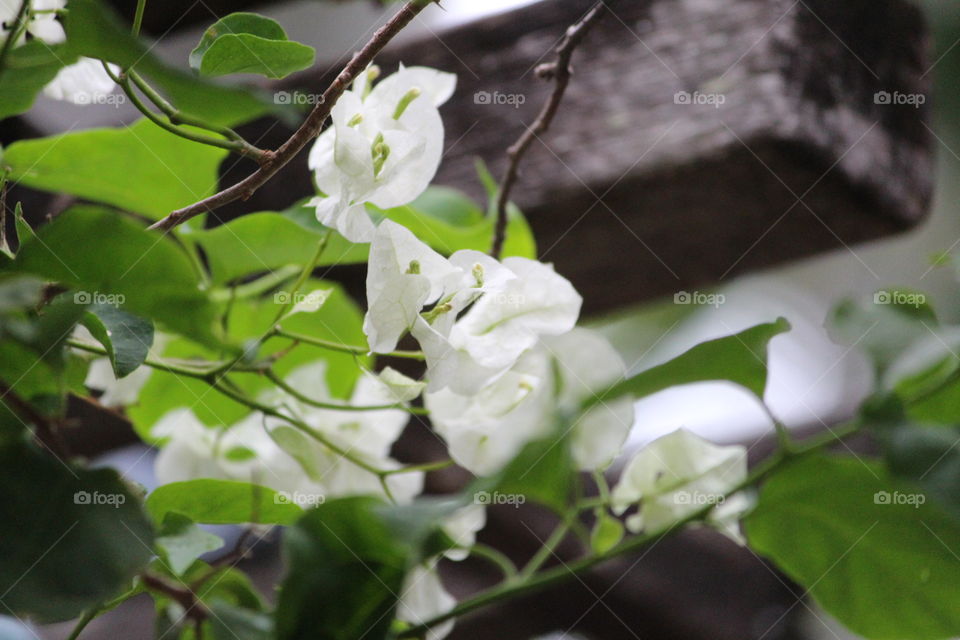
{"type": "Point", "coordinates": [462, 528]}
{"type": "Point", "coordinates": [115, 393]}
{"type": "Point", "coordinates": [43, 25]}
{"type": "Point", "coordinates": [484, 314]}
{"type": "Point", "coordinates": [83, 82]}
{"type": "Point", "coordinates": [678, 475]}
{"type": "Point", "coordinates": [599, 433]}
{"type": "Point", "coordinates": [268, 451]}
{"type": "Point", "coordinates": [403, 275]}
{"type": "Point", "coordinates": [486, 430]}
{"type": "Point", "coordinates": [423, 598]}
{"type": "Point", "coordinates": [383, 148]}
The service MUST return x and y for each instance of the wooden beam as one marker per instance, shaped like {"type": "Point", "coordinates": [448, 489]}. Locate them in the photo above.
{"type": "Point", "coordinates": [699, 139]}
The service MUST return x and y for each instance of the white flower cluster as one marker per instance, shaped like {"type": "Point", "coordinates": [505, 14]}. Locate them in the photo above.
{"type": "Point", "coordinates": [83, 82]}
{"type": "Point", "coordinates": [504, 359]}
{"type": "Point", "coordinates": [383, 148]}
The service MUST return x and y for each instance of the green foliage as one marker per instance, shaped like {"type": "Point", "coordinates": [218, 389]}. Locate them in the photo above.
{"type": "Point", "coordinates": [32, 359]}
{"type": "Point", "coordinates": [233, 623]}
{"type": "Point", "coordinates": [26, 71]}
{"type": "Point", "coordinates": [126, 337]}
{"type": "Point", "coordinates": [443, 218]}
{"type": "Point", "coordinates": [211, 501]}
{"type": "Point", "coordinates": [607, 533]}
{"type": "Point", "coordinates": [542, 472]}
{"type": "Point", "coordinates": [343, 542]}
{"type": "Point", "coordinates": [870, 550]}
{"type": "Point", "coordinates": [101, 254]}
{"type": "Point", "coordinates": [141, 168]}
{"type": "Point", "coordinates": [249, 43]}
{"type": "Point", "coordinates": [69, 538]}
{"type": "Point", "coordinates": [180, 542]}
{"type": "Point", "coordinates": [338, 320]}
{"type": "Point", "coordinates": [95, 31]}
{"type": "Point", "coordinates": [740, 359]}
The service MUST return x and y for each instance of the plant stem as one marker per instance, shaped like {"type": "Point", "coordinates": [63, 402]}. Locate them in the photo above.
{"type": "Point", "coordinates": [336, 346]}
{"type": "Point", "coordinates": [544, 552]}
{"type": "Point", "coordinates": [281, 384]}
{"type": "Point", "coordinates": [495, 557]}
{"type": "Point", "coordinates": [304, 276]}
{"type": "Point", "coordinates": [138, 17]}
{"type": "Point", "coordinates": [16, 31]}
{"type": "Point", "coordinates": [179, 117]}
{"type": "Point", "coordinates": [560, 72]}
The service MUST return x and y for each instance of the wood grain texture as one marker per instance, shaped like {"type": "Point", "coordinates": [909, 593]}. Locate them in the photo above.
{"type": "Point", "coordinates": [633, 195]}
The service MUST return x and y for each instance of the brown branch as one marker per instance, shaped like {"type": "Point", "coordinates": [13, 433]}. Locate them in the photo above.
{"type": "Point", "coordinates": [311, 127]}
{"type": "Point", "coordinates": [560, 71]}
{"type": "Point", "coordinates": [193, 607]}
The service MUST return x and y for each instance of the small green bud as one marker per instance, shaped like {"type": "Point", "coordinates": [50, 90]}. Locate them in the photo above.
{"type": "Point", "coordinates": [414, 268]}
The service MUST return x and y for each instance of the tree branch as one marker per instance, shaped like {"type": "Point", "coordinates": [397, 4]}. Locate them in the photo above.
{"type": "Point", "coordinates": [310, 128]}
{"type": "Point", "coordinates": [560, 71]}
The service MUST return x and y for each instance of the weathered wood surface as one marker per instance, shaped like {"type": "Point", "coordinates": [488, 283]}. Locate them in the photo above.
{"type": "Point", "coordinates": [633, 195]}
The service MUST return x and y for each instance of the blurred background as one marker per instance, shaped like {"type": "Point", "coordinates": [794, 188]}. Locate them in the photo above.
{"type": "Point", "coordinates": [814, 383]}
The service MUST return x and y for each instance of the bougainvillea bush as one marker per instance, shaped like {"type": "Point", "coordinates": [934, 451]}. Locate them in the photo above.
{"type": "Point", "coordinates": [275, 399]}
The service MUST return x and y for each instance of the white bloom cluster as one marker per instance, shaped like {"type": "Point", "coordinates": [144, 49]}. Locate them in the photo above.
{"type": "Point", "coordinates": [83, 82]}
{"type": "Point", "coordinates": [384, 147]}
{"type": "Point", "coordinates": [268, 451]}
{"type": "Point", "coordinates": [504, 360]}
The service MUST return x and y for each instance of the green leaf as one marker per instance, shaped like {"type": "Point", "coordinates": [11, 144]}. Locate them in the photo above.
{"type": "Point", "coordinates": [27, 70]}
{"type": "Point", "coordinates": [871, 551]}
{"type": "Point", "coordinates": [927, 456]}
{"type": "Point", "coordinates": [181, 542]}
{"type": "Point", "coordinates": [141, 167]}
{"type": "Point", "coordinates": [345, 568]}
{"type": "Point", "coordinates": [542, 472]}
{"type": "Point", "coordinates": [249, 43]}
{"type": "Point", "coordinates": [607, 533]}
{"type": "Point", "coordinates": [69, 538]}
{"type": "Point", "coordinates": [740, 359]}
{"type": "Point", "coordinates": [443, 218]}
{"type": "Point", "coordinates": [126, 337]}
{"type": "Point", "coordinates": [221, 502]}
{"type": "Point", "coordinates": [101, 254]}
{"type": "Point", "coordinates": [233, 623]}
{"type": "Point", "coordinates": [97, 32]}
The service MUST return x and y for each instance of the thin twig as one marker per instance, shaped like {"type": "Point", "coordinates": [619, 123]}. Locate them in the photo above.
{"type": "Point", "coordinates": [561, 72]}
{"type": "Point", "coordinates": [310, 128]}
